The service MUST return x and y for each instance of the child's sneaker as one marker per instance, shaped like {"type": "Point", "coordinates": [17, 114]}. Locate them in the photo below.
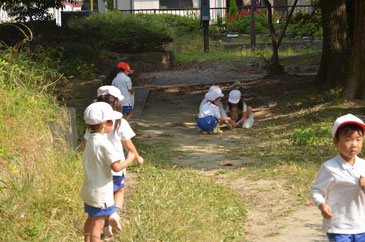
{"type": "Point", "coordinates": [114, 221]}
{"type": "Point", "coordinates": [108, 231]}
{"type": "Point", "coordinates": [204, 132]}
{"type": "Point", "coordinates": [217, 131]}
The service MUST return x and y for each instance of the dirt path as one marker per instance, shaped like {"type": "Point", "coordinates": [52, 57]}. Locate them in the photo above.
{"type": "Point", "coordinates": [170, 116]}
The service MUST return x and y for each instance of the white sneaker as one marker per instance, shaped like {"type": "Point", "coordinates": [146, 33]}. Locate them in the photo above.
{"type": "Point", "coordinates": [114, 221]}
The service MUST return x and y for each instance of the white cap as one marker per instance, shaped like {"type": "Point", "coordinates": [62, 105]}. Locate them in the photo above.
{"type": "Point", "coordinates": [346, 119]}
{"type": "Point", "coordinates": [97, 113]}
{"type": "Point", "coordinates": [234, 96]}
{"type": "Point", "coordinates": [111, 90]}
{"type": "Point", "coordinates": [214, 93]}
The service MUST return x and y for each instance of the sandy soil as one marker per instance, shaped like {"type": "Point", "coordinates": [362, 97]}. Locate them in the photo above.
{"type": "Point", "coordinates": [170, 116]}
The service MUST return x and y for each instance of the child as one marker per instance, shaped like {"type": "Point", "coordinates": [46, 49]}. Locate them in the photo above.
{"type": "Point", "coordinates": [220, 105]}
{"type": "Point", "coordinates": [209, 113]}
{"type": "Point", "coordinates": [124, 83]}
{"type": "Point", "coordinates": [99, 159]}
{"type": "Point", "coordinates": [238, 111]}
{"type": "Point", "coordinates": [121, 134]}
{"type": "Point", "coordinates": [339, 189]}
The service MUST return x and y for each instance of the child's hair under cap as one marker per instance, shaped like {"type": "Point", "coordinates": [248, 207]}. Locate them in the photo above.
{"type": "Point", "coordinates": [123, 65]}
{"type": "Point", "coordinates": [347, 119]}
{"type": "Point", "coordinates": [97, 113]}
{"type": "Point", "coordinates": [111, 90]}
{"type": "Point", "coordinates": [234, 96]}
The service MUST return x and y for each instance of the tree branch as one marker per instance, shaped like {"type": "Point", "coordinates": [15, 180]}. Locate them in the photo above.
{"type": "Point", "coordinates": [287, 22]}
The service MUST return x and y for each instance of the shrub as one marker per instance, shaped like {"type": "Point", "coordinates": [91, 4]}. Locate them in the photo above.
{"type": "Point", "coordinates": [305, 24]}
{"type": "Point", "coordinates": [233, 10]}
{"type": "Point", "coordinates": [242, 24]}
{"type": "Point", "coordinates": [124, 33]}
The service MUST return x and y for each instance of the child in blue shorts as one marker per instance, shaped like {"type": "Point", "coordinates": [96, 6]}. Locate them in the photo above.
{"type": "Point", "coordinates": [339, 189]}
{"type": "Point", "coordinates": [124, 83]}
{"type": "Point", "coordinates": [209, 113]}
{"type": "Point", "coordinates": [99, 159]}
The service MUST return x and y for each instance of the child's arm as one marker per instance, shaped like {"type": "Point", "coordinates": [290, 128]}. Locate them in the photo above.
{"type": "Point", "coordinates": [362, 182]}
{"type": "Point", "coordinates": [319, 191]}
{"type": "Point", "coordinates": [129, 146]}
{"type": "Point", "coordinates": [120, 165]}
{"type": "Point", "coordinates": [131, 91]}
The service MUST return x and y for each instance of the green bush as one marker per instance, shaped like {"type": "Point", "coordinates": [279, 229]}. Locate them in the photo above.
{"type": "Point", "coordinates": [124, 33]}
{"type": "Point", "coordinates": [242, 24]}
{"type": "Point", "coordinates": [305, 24]}
{"type": "Point", "coordinates": [233, 9]}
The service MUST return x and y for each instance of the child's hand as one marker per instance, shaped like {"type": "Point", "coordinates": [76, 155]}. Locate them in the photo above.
{"type": "Point", "coordinates": [362, 182]}
{"type": "Point", "coordinates": [325, 210]}
{"type": "Point", "coordinates": [139, 160]}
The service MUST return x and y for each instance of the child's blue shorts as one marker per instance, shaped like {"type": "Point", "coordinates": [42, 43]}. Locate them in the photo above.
{"type": "Point", "coordinates": [346, 237]}
{"type": "Point", "coordinates": [239, 117]}
{"type": "Point", "coordinates": [127, 109]}
{"type": "Point", "coordinates": [118, 182]}
{"type": "Point", "coordinates": [207, 123]}
{"type": "Point", "coordinates": [96, 212]}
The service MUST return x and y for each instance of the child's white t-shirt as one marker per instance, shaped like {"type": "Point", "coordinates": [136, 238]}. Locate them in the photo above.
{"type": "Point", "coordinates": [124, 133]}
{"type": "Point", "coordinates": [98, 156]}
{"type": "Point", "coordinates": [337, 184]}
{"type": "Point", "coordinates": [124, 83]}
{"type": "Point", "coordinates": [209, 109]}
{"type": "Point", "coordinates": [220, 105]}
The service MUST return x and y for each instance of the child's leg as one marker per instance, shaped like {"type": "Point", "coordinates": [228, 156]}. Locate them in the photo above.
{"type": "Point", "coordinates": [119, 200]}
{"type": "Point", "coordinates": [87, 229]}
{"type": "Point", "coordinates": [93, 227]}
{"type": "Point", "coordinates": [128, 116]}
{"type": "Point", "coordinates": [96, 227]}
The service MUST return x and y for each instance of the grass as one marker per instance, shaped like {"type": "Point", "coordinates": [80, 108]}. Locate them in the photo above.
{"type": "Point", "coordinates": [179, 204]}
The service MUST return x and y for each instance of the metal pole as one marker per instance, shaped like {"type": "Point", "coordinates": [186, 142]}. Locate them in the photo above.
{"type": "Point", "coordinates": [253, 27]}
{"type": "Point", "coordinates": [206, 36]}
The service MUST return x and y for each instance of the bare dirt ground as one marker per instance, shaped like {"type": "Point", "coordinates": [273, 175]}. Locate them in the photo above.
{"type": "Point", "coordinates": [170, 116]}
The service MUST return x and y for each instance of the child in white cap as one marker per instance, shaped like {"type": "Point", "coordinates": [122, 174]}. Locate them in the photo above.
{"type": "Point", "coordinates": [99, 159]}
{"type": "Point", "coordinates": [238, 111]}
{"type": "Point", "coordinates": [209, 114]}
{"type": "Point", "coordinates": [220, 105]}
{"type": "Point", "coordinates": [121, 133]}
{"type": "Point", "coordinates": [339, 189]}
{"type": "Point", "coordinates": [124, 83]}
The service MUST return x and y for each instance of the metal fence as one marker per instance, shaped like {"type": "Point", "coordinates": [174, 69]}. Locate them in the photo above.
{"type": "Point", "coordinates": [221, 12]}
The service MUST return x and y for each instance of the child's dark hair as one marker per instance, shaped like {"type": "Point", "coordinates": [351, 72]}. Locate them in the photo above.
{"type": "Point", "coordinates": [348, 128]}
{"type": "Point", "coordinates": [240, 105]}
{"type": "Point", "coordinates": [116, 105]}
{"type": "Point", "coordinates": [94, 128]}
{"type": "Point", "coordinates": [121, 70]}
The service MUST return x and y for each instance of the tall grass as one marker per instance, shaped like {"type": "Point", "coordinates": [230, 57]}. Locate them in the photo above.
{"type": "Point", "coordinates": [39, 173]}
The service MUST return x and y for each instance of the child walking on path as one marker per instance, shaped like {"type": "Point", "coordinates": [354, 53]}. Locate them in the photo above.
{"type": "Point", "coordinates": [124, 83]}
{"type": "Point", "coordinates": [238, 111]}
{"type": "Point", "coordinates": [99, 159]}
{"type": "Point", "coordinates": [121, 133]}
{"type": "Point", "coordinates": [339, 189]}
{"type": "Point", "coordinates": [209, 114]}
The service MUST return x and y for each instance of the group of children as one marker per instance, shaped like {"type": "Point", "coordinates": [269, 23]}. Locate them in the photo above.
{"type": "Point", "coordinates": [212, 113]}
{"type": "Point", "coordinates": [338, 191]}
{"type": "Point", "coordinates": [103, 158]}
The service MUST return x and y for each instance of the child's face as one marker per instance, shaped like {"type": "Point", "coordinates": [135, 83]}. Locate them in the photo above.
{"type": "Point", "coordinates": [216, 101]}
{"type": "Point", "coordinates": [108, 126]}
{"type": "Point", "coordinates": [349, 144]}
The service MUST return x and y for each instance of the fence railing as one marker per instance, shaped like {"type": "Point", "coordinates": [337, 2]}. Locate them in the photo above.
{"type": "Point", "coordinates": [214, 12]}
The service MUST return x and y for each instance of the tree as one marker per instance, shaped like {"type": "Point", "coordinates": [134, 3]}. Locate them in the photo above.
{"type": "Point", "coordinates": [335, 51]}
{"type": "Point", "coordinates": [274, 66]}
{"type": "Point", "coordinates": [355, 79]}
{"type": "Point", "coordinates": [233, 10]}
{"type": "Point", "coordinates": [26, 10]}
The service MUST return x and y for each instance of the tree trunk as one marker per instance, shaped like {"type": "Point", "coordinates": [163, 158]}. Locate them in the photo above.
{"type": "Point", "coordinates": [335, 52]}
{"type": "Point", "coordinates": [355, 81]}
{"type": "Point", "coordinates": [274, 66]}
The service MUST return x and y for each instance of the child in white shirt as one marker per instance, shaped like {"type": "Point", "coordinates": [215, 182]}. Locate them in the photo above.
{"type": "Point", "coordinates": [99, 159]}
{"type": "Point", "coordinates": [209, 114]}
{"type": "Point", "coordinates": [120, 136]}
{"type": "Point", "coordinates": [339, 189]}
{"type": "Point", "coordinates": [238, 111]}
{"type": "Point", "coordinates": [124, 83]}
